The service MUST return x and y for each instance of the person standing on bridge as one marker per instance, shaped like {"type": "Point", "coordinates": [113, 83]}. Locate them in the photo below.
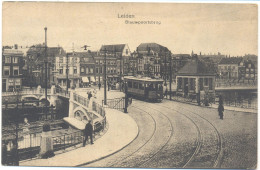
{"type": "Point", "coordinates": [88, 133]}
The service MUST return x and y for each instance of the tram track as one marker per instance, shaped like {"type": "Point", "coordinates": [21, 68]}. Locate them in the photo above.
{"type": "Point", "coordinates": [191, 162]}
{"type": "Point", "coordinates": [154, 130]}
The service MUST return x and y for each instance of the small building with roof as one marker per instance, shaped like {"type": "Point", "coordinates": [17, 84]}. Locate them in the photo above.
{"type": "Point", "coordinates": [195, 79]}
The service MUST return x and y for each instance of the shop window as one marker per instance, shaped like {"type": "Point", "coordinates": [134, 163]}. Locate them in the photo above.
{"type": "Point", "coordinates": [201, 83]}
{"type": "Point", "coordinates": [135, 85]}
{"type": "Point", "coordinates": [141, 86]}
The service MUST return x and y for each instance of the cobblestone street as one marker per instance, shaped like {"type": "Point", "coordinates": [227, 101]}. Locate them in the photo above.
{"type": "Point", "coordinates": [177, 135]}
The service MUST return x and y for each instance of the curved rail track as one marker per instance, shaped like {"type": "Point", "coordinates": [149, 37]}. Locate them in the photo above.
{"type": "Point", "coordinates": [189, 163]}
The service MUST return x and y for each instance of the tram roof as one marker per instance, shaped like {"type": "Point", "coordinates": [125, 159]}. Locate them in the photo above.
{"type": "Point", "coordinates": [148, 79]}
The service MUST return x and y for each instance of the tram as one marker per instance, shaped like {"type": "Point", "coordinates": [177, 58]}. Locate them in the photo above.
{"type": "Point", "coordinates": [145, 88]}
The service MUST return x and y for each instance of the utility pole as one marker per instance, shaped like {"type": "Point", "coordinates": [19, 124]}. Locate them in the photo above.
{"type": "Point", "coordinates": [67, 72]}
{"type": "Point", "coordinates": [165, 70]}
{"type": "Point", "coordinates": [105, 77]}
{"type": "Point", "coordinates": [46, 65]}
{"type": "Point", "coordinates": [170, 75]}
{"type": "Point", "coordinates": [120, 73]}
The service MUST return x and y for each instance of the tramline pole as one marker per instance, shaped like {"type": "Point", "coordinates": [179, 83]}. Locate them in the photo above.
{"type": "Point", "coordinates": [105, 78]}
{"type": "Point", "coordinates": [46, 65]}
{"type": "Point", "coordinates": [170, 75]}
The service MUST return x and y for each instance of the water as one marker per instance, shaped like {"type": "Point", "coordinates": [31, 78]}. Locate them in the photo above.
{"type": "Point", "coordinates": [239, 98]}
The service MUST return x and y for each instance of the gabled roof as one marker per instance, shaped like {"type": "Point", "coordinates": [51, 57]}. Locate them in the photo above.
{"type": "Point", "coordinates": [113, 48]}
{"type": "Point", "coordinates": [196, 67]}
{"type": "Point", "coordinates": [151, 46]}
{"type": "Point", "coordinates": [231, 60]}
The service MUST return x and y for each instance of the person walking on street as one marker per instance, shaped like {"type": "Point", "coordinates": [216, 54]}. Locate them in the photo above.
{"type": "Point", "coordinates": [99, 86]}
{"type": "Point", "coordinates": [88, 133]}
{"type": "Point", "coordinates": [221, 110]}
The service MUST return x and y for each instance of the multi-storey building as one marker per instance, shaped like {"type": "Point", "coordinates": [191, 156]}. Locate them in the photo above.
{"type": "Point", "coordinates": [87, 67]}
{"type": "Point", "coordinates": [111, 73]}
{"type": "Point", "coordinates": [122, 53]}
{"type": "Point", "coordinates": [35, 65]}
{"type": "Point", "coordinates": [12, 65]}
{"type": "Point", "coordinates": [231, 68]}
{"type": "Point", "coordinates": [153, 60]}
{"type": "Point", "coordinates": [67, 68]}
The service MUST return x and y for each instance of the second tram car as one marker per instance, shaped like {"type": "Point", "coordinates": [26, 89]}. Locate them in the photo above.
{"type": "Point", "coordinates": [145, 88]}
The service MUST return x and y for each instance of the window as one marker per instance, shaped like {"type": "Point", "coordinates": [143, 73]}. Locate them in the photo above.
{"type": "Point", "coordinates": [16, 70]}
{"type": "Point", "coordinates": [15, 59]}
{"type": "Point", "coordinates": [141, 86]}
{"type": "Point", "coordinates": [101, 70]}
{"type": "Point", "coordinates": [96, 70]}
{"type": "Point", "coordinates": [126, 51]}
{"type": "Point", "coordinates": [91, 70]}
{"type": "Point", "coordinates": [75, 71]}
{"type": "Point", "coordinates": [6, 70]}
{"type": "Point", "coordinates": [179, 82]}
{"type": "Point", "coordinates": [87, 70]}
{"type": "Point", "coordinates": [7, 59]}
{"type": "Point", "coordinates": [135, 85]}
{"type": "Point", "coordinates": [210, 84]}
{"type": "Point", "coordinates": [201, 83]}
{"type": "Point", "coordinates": [249, 65]}
{"type": "Point", "coordinates": [60, 59]}
{"type": "Point", "coordinates": [129, 83]}
{"type": "Point", "coordinates": [61, 71]}
{"type": "Point", "coordinates": [192, 84]}
{"type": "Point", "coordinates": [206, 81]}
{"type": "Point", "coordinates": [82, 70]}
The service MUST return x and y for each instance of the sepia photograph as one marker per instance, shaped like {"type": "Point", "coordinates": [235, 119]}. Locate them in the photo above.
{"type": "Point", "coordinates": [129, 84]}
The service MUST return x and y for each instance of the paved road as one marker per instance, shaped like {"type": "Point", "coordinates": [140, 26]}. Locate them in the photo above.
{"type": "Point", "coordinates": [177, 135]}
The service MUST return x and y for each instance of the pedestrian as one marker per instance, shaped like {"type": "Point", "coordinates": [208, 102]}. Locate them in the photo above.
{"type": "Point", "coordinates": [99, 86]}
{"type": "Point", "coordinates": [14, 155]}
{"type": "Point", "coordinates": [89, 95]}
{"type": "Point", "coordinates": [4, 153]}
{"type": "Point", "coordinates": [166, 93]}
{"type": "Point", "coordinates": [88, 133]}
{"type": "Point", "coordinates": [221, 110]}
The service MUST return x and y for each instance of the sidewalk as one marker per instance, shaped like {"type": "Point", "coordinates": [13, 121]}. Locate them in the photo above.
{"type": "Point", "coordinates": [121, 132]}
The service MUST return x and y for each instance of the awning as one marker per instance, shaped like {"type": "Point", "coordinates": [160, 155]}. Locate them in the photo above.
{"type": "Point", "coordinates": [92, 79]}
{"type": "Point", "coordinates": [85, 79]}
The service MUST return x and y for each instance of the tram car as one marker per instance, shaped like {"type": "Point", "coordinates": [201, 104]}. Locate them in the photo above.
{"type": "Point", "coordinates": [144, 88]}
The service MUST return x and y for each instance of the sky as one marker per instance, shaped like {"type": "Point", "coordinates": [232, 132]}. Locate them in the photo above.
{"type": "Point", "coordinates": [230, 29]}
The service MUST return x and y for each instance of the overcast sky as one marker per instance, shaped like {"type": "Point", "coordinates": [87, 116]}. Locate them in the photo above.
{"type": "Point", "coordinates": [207, 28]}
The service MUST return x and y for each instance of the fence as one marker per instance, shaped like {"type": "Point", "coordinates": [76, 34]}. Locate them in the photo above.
{"type": "Point", "coordinates": [117, 103]}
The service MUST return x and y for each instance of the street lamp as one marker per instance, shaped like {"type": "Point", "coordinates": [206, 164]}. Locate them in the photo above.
{"type": "Point", "coordinates": [105, 77]}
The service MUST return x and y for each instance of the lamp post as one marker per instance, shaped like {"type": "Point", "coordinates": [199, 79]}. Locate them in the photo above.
{"type": "Point", "coordinates": [46, 65]}
{"type": "Point", "coordinates": [126, 97]}
{"type": "Point", "coordinates": [105, 78]}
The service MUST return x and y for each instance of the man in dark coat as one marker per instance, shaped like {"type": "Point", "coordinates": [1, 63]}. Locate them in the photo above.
{"type": "Point", "coordinates": [88, 133]}
{"type": "Point", "coordinates": [89, 95]}
{"type": "Point", "coordinates": [220, 110]}
{"type": "Point", "coordinates": [99, 86]}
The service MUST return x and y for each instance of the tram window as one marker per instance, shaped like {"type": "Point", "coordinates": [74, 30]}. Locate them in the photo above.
{"type": "Point", "coordinates": [130, 84]}
{"type": "Point", "coordinates": [160, 87]}
{"type": "Point", "coordinates": [141, 86]}
{"type": "Point", "coordinates": [135, 85]}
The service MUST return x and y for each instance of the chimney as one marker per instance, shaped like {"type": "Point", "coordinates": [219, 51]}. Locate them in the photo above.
{"type": "Point", "coordinates": [16, 46]}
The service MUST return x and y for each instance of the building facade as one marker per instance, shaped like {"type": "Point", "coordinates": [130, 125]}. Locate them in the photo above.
{"type": "Point", "coordinates": [67, 68]}
{"type": "Point", "coordinates": [12, 65]}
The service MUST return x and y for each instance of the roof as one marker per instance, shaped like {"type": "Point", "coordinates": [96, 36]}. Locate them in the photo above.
{"type": "Point", "coordinates": [231, 60]}
{"type": "Point", "coordinates": [143, 79]}
{"type": "Point", "coordinates": [151, 46]}
{"type": "Point", "coordinates": [113, 48]}
{"type": "Point", "coordinates": [196, 67]}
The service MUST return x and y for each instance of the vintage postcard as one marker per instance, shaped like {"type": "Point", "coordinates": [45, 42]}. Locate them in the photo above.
{"type": "Point", "coordinates": [129, 85]}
